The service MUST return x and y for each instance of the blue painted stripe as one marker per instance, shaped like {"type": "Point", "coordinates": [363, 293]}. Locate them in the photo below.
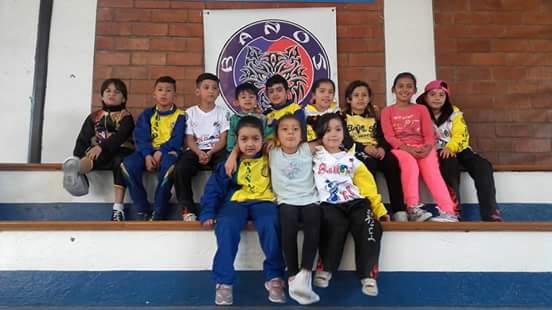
{"type": "Point", "coordinates": [194, 288]}
{"type": "Point", "coordinates": [524, 212]}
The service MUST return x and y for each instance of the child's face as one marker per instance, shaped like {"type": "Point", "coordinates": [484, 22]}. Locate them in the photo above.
{"type": "Point", "coordinates": [164, 94]}
{"type": "Point", "coordinates": [112, 96]}
{"type": "Point", "coordinates": [277, 94]}
{"type": "Point", "coordinates": [324, 95]}
{"type": "Point", "coordinates": [359, 100]}
{"type": "Point", "coordinates": [207, 91]}
{"type": "Point", "coordinates": [247, 101]}
{"type": "Point", "coordinates": [250, 141]}
{"type": "Point", "coordinates": [333, 137]}
{"type": "Point", "coordinates": [404, 89]}
{"type": "Point", "coordinates": [436, 99]}
{"type": "Point", "coordinates": [289, 133]}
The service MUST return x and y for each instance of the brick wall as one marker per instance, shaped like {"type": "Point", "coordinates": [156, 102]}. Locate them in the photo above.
{"type": "Point", "coordinates": [139, 40]}
{"type": "Point", "coordinates": [497, 57]}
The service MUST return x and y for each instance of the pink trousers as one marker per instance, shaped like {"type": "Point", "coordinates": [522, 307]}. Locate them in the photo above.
{"type": "Point", "coordinates": [411, 167]}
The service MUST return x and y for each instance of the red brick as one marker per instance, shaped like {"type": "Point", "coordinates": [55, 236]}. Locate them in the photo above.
{"type": "Point", "coordinates": [529, 59]}
{"type": "Point", "coordinates": [132, 44]}
{"type": "Point", "coordinates": [473, 45]}
{"type": "Point", "coordinates": [366, 59]}
{"type": "Point", "coordinates": [487, 31]}
{"type": "Point", "coordinates": [510, 45]}
{"type": "Point", "coordinates": [102, 72]}
{"type": "Point", "coordinates": [540, 100]}
{"type": "Point", "coordinates": [186, 30]}
{"type": "Point", "coordinates": [115, 3]}
{"type": "Point", "coordinates": [509, 73]}
{"type": "Point", "coordinates": [141, 86]}
{"type": "Point", "coordinates": [510, 158]}
{"type": "Point", "coordinates": [358, 18]}
{"type": "Point", "coordinates": [446, 44]}
{"type": "Point", "coordinates": [480, 130]}
{"type": "Point", "coordinates": [149, 58]}
{"type": "Point", "coordinates": [168, 44]}
{"type": "Point", "coordinates": [227, 5]}
{"type": "Point", "coordinates": [541, 45]}
{"type": "Point", "coordinates": [112, 58]}
{"type": "Point", "coordinates": [104, 43]}
{"type": "Point", "coordinates": [512, 130]}
{"type": "Point", "coordinates": [468, 99]}
{"type": "Point", "coordinates": [537, 18]}
{"type": "Point", "coordinates": [191, 73]}
{"type": "Point", "coordinates": [132, 15]}
{"type": "Point", "coordinates": [195, 16]}
{"type": "Point", "coordinates": [532, 145]}
{"type": "Point", "coordinates": [363, 45]}
{"type": "Point", "coordinates": [512, 101]}
{"type": "Point", "coordinates": [184, 58]}
{"type": "Point", "coordinates": [450, 5]}
{"type": "Point", "coordinates": [194, 44]}
{"type": "Point", "coordinates": [128, 72]}
{"type": "Point", "coordinates": [529, 31]}
{"type": "Point", "coordinates": [473, 73]}
{"type": "Point", "coordinates": [525, 87]}
{"type": "Point", "coordinates": [139, 101]}
{"type": "Point", "coordinates": [472, 18]}
{"type": "Point", "coordinates": [446, 73]}
{"type": "Point", "coordinates": [152, 4]}
{"type": "Point", "coordinates": [452, 58]}
{"type": "Point", "coordinates": [106, 28]}
{"type": "Point", "coordinates": [152, 29]}
{"type": "Point", "coordinates": [104, 14]}
{"type": "Point", "coordinates": [488, 59]}
{"type": "Point", "coordinates": [529, 116]}
{"type": "Point", "coordinates": [485, 5]}
{"type": "Point", "coordinates": [521, 5]}
{"type": "Point", "coordinates": [542, 130]}
{"type": "Point", "coordinates": [543, 159]}
{"type": "Point", "coordinates": [362, 73]}
{"type": "Point", "coordinates": [174, 15]}
{"type": "Point", "coordinates": [539, 73]}
{"type": "Point", "coordinates": [184, 4]}
{"type": "Point", "coordinates": [174, 71]}
{"type": "Point", "coordinates": [442, 18]}
{"type": "Point", "coordinates": [375, 6]}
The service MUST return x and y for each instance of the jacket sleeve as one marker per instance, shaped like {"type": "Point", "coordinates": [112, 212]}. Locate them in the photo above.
{"type": "Point", "coordinates": [84, 139]}
{"type": "Point", "coordinates": [174, 144]}
{"type": "Point", "coordinates": [112, 144]}
{"type": "Point", "coordinates": [388, 131]}
{"type": "Point", "coordinates": [214, 194]}
{"type": "Point", "coordinates": [460, 138]}
{"type": "Point", "coordinates": [142, 134]}
{"type": "Point", "coordinates": [380, 138]}
{"type": "Point", "coordinates": [365, 182]}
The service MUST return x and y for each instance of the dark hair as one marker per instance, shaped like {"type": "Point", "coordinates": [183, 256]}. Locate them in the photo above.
{"type": "Point", "coordinates": [165, 79]}
{"type": "Point", "coordinates": [286, 117]}
{"type": "Point", "coordinates": [348, 96]}
{"type": "Point", "coordinates": [404, 75]}
{"type": "Point", "coordinates": [206, 76]}
{"type": "Point", "coordinates": [276, 79]}
{"type": "Point", "coordinates": [119, 85]}
{"type": "Point", "coordinates": [249, 121]}
{"type": "Point", "coordinates": [446, 109]}
{"type": "Point", "coordinates": [246, 87]}
{"type": "Point", "coordinates": [318, 82]}
{"type": "Point", "coordinates": [324, 122]}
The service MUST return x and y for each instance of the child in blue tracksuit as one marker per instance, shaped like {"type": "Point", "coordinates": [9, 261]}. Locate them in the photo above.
{"type": "Point", "coordinates": [159, 135]}
{"type": "Point", "coordinates": [231, 201]}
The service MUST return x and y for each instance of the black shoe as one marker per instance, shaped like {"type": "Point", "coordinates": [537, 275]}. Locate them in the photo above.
{"type": "Point", "coordinates": [117, 216]}
{"type": "Point", "coordinates": [143, 216]}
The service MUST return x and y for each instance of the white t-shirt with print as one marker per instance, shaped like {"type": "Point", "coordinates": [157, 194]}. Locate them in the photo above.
{"type": "Point", "coordinates": [206, 127]}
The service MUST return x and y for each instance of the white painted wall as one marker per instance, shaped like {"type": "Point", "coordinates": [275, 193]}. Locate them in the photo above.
{"type": "Point", "coordinates": [18, 30]}
{"type": "Point", "coordinates": [409, 41]}
{"type": "Point", "coordinates": [450, 251]}
{"type": "Point", "coordinates": [70, 69]}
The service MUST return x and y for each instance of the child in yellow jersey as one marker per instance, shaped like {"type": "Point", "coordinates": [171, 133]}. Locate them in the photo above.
{"type": "Point", "coordinates": [350, 203]}
{"type": "Point", "coordinates": [454, 149]}
{"type": "Point", "coordinates": [159, 135]}
{"type": "Point", "coordinates": [323, 92]}
{"type": "Point", "coordinates": [362, 118]}
{"type": "Point", "coordinates": [228, 202]}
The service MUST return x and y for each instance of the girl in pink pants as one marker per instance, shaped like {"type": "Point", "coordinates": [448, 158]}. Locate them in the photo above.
{"type": "Point", "coordinates": [409, 130]}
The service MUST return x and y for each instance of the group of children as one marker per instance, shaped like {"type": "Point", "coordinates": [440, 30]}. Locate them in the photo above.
{"type": "Point", "coordinates": [288, 169]}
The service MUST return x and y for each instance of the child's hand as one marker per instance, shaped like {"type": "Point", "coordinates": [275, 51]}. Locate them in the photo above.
{"type": "Point", "coordinates": [208, 223]}
{"type": "Point", "coordinates": [380, 153]}
{"type": "Point", "coordinates": [424, 150]}
{"type": "Point", "coordinates": [203, 158]}
{"type": "Point", "coordinates": [157, 157]}
{"type": "Point", "coordinates": [370, 150]}
{"type": "Point", "coordinates": [94, 152]}
{"type": "Point", "coordinates": [385, 218]}
{"type": "Point", "coordinates": [447, 153]}
{"type": "Point", "coordinates": [229, 167]}
{"type": "Point", "coordinates": [268, 146]}
{"type": "Point", "coordinates": [150, 163]}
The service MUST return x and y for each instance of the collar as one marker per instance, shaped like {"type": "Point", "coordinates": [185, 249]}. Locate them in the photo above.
{"type": "Point", "coordinates": [169, 112]}
{"type": "Point", "coordinates": [115, 108]}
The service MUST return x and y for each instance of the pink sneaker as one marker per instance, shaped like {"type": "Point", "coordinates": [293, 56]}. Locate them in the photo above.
{"type": "Point", "coordinates": [275, 288]}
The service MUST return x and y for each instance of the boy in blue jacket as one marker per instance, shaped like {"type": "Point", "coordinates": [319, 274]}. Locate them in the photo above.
{"type": "Point", "coordinates": [231, 201]}
{"type": "Point", "coordinates": [159, 135]}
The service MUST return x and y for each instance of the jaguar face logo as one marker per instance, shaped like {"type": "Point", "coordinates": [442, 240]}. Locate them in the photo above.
{"type": "Point", "coordinates": [264, 48]}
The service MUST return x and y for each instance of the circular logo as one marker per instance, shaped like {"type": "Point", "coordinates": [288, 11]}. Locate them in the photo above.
{"type": "Point", "coordinates": [264, 48]}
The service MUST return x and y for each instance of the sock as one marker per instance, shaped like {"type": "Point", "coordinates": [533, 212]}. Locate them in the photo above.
{"type": "Point", "coordinates": [118, 207]}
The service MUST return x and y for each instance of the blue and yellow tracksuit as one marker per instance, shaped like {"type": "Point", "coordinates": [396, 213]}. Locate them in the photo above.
{"type": "Point", "coordinates": [232, 202]}
{"type": "Point", "coordinates": [155, 131]}
{"type": "Point", "coordinates": [277, 112]}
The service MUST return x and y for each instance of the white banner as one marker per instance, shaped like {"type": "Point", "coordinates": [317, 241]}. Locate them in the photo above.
{"type": "Point", "coordinates": [253, 45]}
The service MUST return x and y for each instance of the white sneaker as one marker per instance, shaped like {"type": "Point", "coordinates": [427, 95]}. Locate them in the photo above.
{"type": "Point", "coordinates": [74, 182]}
{"type": "Point", "coordinates": [322, 278]}
{"type": "Point", "coordinates": [400, 216]}
{"type": "Point", "coordinates": [444, 217]}
{"type": "Point", "coordinates": [189, 217]}
{"type": "Point", "coordinates": [417, 214]}
{"type": "Point", "coordinates": [300, 288]}
{"type": "Point", "coordinates": [369, 287]}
